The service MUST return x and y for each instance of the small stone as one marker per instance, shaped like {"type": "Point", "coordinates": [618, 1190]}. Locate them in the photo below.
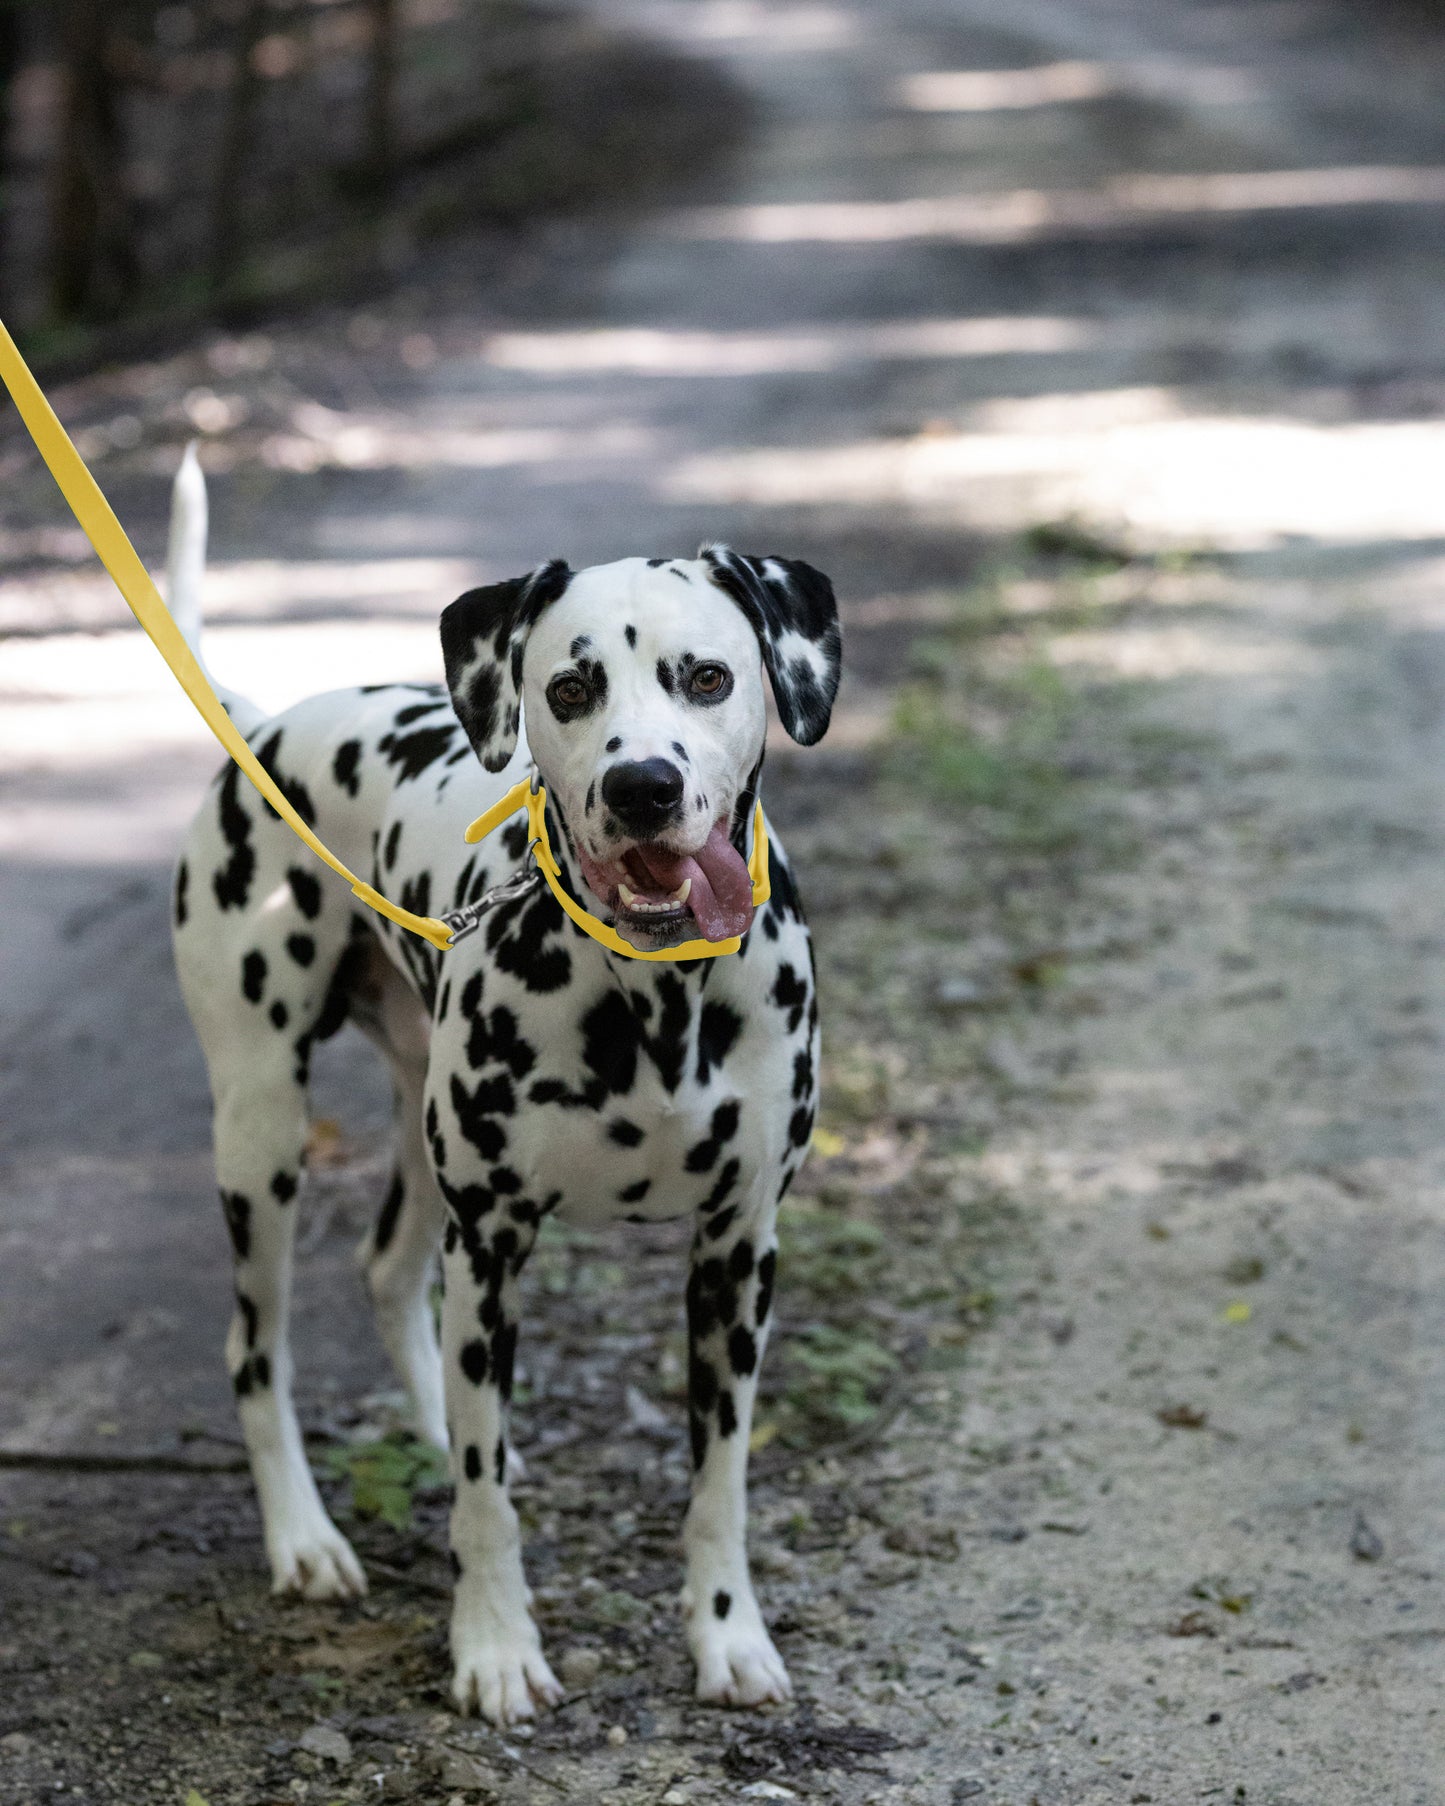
{"type": "Point", "coordinates": [144, 1658]}
{"type": "Point", "coordinates": [16, 1743]}
{"type": "Point", "coordinates": [674, 1797]}
{"type": "Point", "coordinates": [768, 1790]}
{"type": "Point", "coordinates": [1365, 1544]}
{"type": "Point", "coordinates": [580, 1668]}
{"type": "Point", "coordinates": [327, 1743]}
{"type": "Point", "coordinates": [617, 1736]}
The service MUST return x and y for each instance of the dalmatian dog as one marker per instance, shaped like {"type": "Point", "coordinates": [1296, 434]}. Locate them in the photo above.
{"type": "Point", "coordinates": [534, 1070]}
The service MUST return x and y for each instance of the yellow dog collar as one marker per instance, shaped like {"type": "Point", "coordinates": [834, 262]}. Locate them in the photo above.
{"type": "Point", "coordinates": [534, 801]}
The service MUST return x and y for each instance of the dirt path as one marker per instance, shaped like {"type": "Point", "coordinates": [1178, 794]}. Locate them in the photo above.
{"type": "Point", "coordinates": [1109, 1454]}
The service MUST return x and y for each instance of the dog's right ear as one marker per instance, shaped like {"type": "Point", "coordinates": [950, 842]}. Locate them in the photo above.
{"type": "Point", "coordinates": [484, 634]}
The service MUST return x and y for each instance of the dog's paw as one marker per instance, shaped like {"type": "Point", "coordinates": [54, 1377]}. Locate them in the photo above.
{"type": "Point", "coordinates": [737, 1665]}
{"type": "Point", "coordinates": [316, 1562]}
{"type": "Point", "coordinates": [503, 1675]}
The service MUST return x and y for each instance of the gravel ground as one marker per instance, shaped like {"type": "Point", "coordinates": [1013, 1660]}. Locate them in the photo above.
{"type": "Point", "coordinates": [1098, 350]}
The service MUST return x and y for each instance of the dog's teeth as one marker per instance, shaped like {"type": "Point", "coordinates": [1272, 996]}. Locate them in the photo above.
{"type": "Point", "coordinates": [683, 891]}
{"type": "Point", "coordinates": [628, 897]}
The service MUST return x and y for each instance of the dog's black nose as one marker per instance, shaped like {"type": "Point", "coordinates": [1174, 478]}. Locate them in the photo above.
{"type": "Point", "coordinates": [643, 794]}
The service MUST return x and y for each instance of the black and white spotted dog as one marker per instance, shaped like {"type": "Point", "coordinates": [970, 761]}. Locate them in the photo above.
{"type": "Point", "coordinates": [534, 1070]}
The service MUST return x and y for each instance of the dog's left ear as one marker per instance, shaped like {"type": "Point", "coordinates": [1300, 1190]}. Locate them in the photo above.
{"type": "Point", "coordinates": [793, 611]}
{"type": "Point", "coordinates": [484, 634]}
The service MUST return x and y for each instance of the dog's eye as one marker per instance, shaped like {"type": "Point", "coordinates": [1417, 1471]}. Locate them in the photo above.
{"type": "Point", "coordinates": [567, 692]}
{"type": "Point", "coordinates": [710, 680]}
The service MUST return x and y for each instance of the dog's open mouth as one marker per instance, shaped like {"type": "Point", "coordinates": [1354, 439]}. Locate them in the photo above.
{"type": "Point", "coordinates": [661, 895]}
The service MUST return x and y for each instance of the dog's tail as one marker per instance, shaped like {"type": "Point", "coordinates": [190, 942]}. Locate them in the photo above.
{"type": "Point", "coordinates": [186, 573]}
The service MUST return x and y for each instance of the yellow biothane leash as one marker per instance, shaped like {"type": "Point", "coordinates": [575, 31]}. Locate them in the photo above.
{"type": "Point", "coordinates": [105, 533]}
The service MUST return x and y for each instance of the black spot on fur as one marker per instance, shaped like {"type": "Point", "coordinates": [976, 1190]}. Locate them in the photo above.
{"type": "Point", "coordinates": [414, 712]}
{"type": "Point", "coordinates": [294, 791]}
{"type": "Point", "coordinates": [253, 975]}
{"type": "Point", "coordinates": [499, 1461]}
{"type": "Point", "coordinates": [306, 889]}
{"type": "Point", "coordinates": [236, 1207]}
{"type": "Point", "coordinates": [389, 1215]}
{"type": "Point", "coordinates": [718, 1029]}
{"type": "Point", "coordinates": [720, 1194]}
{"type": "Point", "coordinates": [249, 1316]}
{"type": "Point", "coordinates": [232, 884]}
{"type": "Point", "coordinates": [667, 677]}
{"type": "Point", "coordinates": [302, 948]}
{"type": "Point", "coordinates": [742, 1351]}
{"type": "Point", "coordinates": [703, 1157]}
{"type": "Point", "coordinates": [495, 1039]}
{"type": "Point", "coordinates": [514, 838]}
{"type": "Point", "coordinates": [343, 766]}
{"type": "Point", "coordinates": [740, 1261]}
{"type": "Point", "coordinates": [472, 1462]}
{"type": "Point", "coordinates": [767, 1271]}
{"type": "Point", "coordinates": [412, 754]}
{"type": "Point", "coordinates": [727, 1414]}
{"type": "Point", "coordinates": [626, 1134]}
{"type": "Point", "coordinates": [800, 1128]}
{"type": "Point", "coordinates": [473, 1359]}
{"type": "Point", "coordinates": [475, 1112]}
{"type": "Point", "coordinates": [454, 1562]}
{"type": "Point", "coordinates": [280, 1015]}
{"type": "Point", "coordinates": [722, 1604]}
{"type": "Point", "coordinates": [393, 845]}
{"type": "Point", "coordinates": [283, 1186]}
{"type": "Point", "coordinates": [634, 1193]}
{"type": "Point", "coordinates": [183, 885]}
{"type": "Point", "coordinates": [630, 634]}
{"type": "Point", "coordinates": [521, 939]}
{"type": "Point", "coordinates": [790, 993]}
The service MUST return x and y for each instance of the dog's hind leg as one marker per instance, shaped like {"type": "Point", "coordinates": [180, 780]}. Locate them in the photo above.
{"type": "Point", "coordinates": [399, 1253]}
{"type": "Point", "coordinates": [257, 1018]}
{"type": "Point", "coordinates": [260, 1134]}
{"type": "Point", "coordinates": [729, 1305]}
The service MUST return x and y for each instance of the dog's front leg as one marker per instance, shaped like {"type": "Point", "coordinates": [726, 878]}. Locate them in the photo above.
{"type": "Point", "coordinates": [499, 1668]}
{"type": "Point", "coordinates": [729, 1300]}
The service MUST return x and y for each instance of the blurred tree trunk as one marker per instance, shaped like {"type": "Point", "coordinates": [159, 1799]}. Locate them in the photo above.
{"type": "Point", "coordinates": [93, 264]}
{"type": "Point", "coordinates": [11, 53]}
{"type": "Point", "coordinates": [227, 239]}
{"type": "Point", "coordinates": [381, 95]}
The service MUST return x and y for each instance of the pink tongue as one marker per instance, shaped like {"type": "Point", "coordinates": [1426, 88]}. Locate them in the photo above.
{"type": "Point", "coordinates": [721, 897]}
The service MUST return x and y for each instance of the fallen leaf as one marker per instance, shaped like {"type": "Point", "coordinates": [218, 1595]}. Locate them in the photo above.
{"type": "Point", "coordinates": [828, 1143]}
{"type": "Point", "coordinates": [762, 1435]}
{"type": "Point", "coordinates": [324, 1143]}
{"type": "Point", "coordinates": [1238, 1312]}
{"type": "Point", "coordinates": [355, 1647]}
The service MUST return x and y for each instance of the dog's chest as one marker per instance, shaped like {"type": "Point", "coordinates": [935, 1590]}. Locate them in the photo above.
{"type": "Point", "coordinates": [614, 1098]}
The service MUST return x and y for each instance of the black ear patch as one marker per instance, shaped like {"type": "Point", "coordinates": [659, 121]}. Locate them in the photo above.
{"type": "Point", "coordinates": [792, 609]}
{"type": "Point", "coordinates": [484, 633]}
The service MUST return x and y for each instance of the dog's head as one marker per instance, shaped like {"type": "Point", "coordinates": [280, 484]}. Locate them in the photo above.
{"type": "Point", "coordinates": [642, 684]}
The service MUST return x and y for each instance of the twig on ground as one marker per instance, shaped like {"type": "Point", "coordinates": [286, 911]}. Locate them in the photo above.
{"type": "Point", "coordinates": [68, 1461]}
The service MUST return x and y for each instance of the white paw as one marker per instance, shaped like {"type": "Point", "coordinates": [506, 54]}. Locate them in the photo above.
{"type": "Point", "coordinates": [737, 1664]}
{"type": "Point", "coordinates": [502, 1673]}
{"type": "Point", "coordinates": [317, 1562]}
